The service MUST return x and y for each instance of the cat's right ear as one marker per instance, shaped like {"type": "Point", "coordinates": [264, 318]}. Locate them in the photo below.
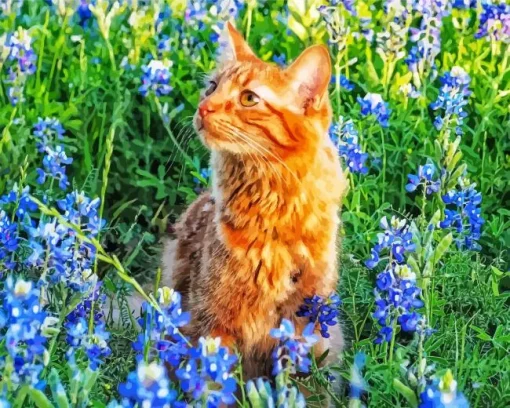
{"type": "Point", "coordinates": [240, 49]}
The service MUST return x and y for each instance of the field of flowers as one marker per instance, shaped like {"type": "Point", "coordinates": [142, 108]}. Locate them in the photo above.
{"type": "Point", "coordinates": [98, 157]}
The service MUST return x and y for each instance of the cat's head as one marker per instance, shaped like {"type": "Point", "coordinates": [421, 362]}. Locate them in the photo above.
{"type": "Point", "coordinates": [256, 108]}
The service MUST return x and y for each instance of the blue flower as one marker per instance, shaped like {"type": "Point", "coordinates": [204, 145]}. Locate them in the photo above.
{"type": "Point", "coordinates": [466, 218]}
{"type": "Point", "coordinates": [373, 104]}
{"type": "Point", "coordinates": [9, 239]}
{"type": "Point", "coordinates": [156, 78]}
{"type": "Point", "coordinates": [292, 353]}
{"type": "Point", "coordinates": [384, 335]}
{"type": "Point", "coordinates": [357, 384]}
{"type": "Point", "coordinates": [47, 131]}
{"type": "Point", "coordinates": [280, 59]}
{"type": "Point", "coordinates": [208, 373]}
{"type": "Point", "coordinates": [494, 21]}
{"type": "Point", "coordinates": [83, 11]}
{"type": "Point", "coordinates": [409, 321]}
{"type": "Point", "coordinates": [160, 330]}
{"type": "Point", "coordinates": [147, 386]}
{"type": "Point", "coordinates": [345, 136]}
{"type": "Point", "coordinates": [322, 310]}
{"type": "Point", "coordinates": [23, 317]}
{"type": "Point", "coordinates": [54, 164]}
{"type": "Point", "coordinates": [344, 82]}
{"type": "Point", "coordinates": [396, 237]}
{"type": "Point", "coordinates": [452, 98]}
{"type": "Point", "coordinates": [425, 178]}
{"type": "Point", "coordinates": [442, 393]}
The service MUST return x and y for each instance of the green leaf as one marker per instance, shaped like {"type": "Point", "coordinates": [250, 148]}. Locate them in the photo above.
{"type": "Point", "coordinates": [481, 333]}
{"type": "Point", "coordinates": [406, 392]}
{"type": "Point", "coordinates": [442, 247]}
{"type": "Point", "coordinates": [40, 400]}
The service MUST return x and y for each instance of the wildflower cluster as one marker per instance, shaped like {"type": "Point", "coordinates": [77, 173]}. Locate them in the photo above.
{"type": "Point", "coordinates": [397, 295]}
{"type": "Point", "coordinates": [345, 136]}
{"type": "Point", "coordinates": [22, 321]}
{"type": "Point", "coordinates": [156, 78]}
{"type": "Point", "coordinates": [442, 393]}
{"type": "Point", "coordinates": [451, 100]}
{"type": "Point", "coordinates": [289, 357]}
{"type": "Point", "coordinates": [321, 310]}
{"type": "Point", "coordinates": [465, 216]}
{"type": "Point", "coordinates": [373, 104]}
{"type": "Point", "coordinates": [207, 373]}
{"type": "Point", "coordinates": [18, 47]}
{"type": "Point", "coordinates": [494, 21]}
{"type": "Point", "coordinates": [424, 177]}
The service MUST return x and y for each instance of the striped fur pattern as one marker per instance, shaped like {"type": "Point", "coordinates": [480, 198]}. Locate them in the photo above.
{"type": "Point", "coordinates": [248, 252]}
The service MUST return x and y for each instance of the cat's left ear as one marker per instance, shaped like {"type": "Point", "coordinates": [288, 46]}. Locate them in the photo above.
{"type": "Point", "coordinates": [240, 48]}
{"type": "Point", "coordinates": [310, 74]}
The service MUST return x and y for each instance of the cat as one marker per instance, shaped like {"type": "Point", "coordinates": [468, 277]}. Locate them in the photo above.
{"type": "Point", "coordinates": [265, 237]}
{"type": "Point", "coordinates": [248, 252]}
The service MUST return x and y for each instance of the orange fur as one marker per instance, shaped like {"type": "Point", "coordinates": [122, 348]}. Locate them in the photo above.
{"type": "Point", "coordinates": [265, 238]}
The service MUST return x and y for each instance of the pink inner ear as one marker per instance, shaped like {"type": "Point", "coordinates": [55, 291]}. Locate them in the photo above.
{"type": "Point", "coordinates": [311, 72]}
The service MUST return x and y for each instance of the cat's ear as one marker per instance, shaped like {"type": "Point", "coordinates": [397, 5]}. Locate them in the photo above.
{"type": "Point", "coordinates": [310, 74]}
{"type": "Point", "coordinates": [240, 49]}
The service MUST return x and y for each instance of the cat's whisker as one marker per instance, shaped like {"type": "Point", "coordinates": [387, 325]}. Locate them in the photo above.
{"type": "Point", "coordinates": [257, 146]}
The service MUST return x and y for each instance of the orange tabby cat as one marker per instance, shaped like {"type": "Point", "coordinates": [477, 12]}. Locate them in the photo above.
{"type": "Point", "coordinates": [248, 252]}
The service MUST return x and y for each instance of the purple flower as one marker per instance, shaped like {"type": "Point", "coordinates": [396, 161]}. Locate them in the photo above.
{"type": "Point", "coordinates": [494, 21]}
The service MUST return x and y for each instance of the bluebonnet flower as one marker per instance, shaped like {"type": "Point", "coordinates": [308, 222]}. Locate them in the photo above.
{"type": "Point", "coordinates": [7, 8]}
{"type": "Point", "coordinates": [466, 218]}
{"type": "Point", "coordinates": [345, 136]}
{"type": "Point", "coordinates": [84, 308]}
{"type": "Point", "coordinates": [22, 58]}
{"type": "Point", "coordinates": [83, 11]}
{"type": "Point", "coordinates": [464, 4]}
{"type": "Point", "coordinates": [452, 99]}
{"type": "Point", "coordinates": [357, 384]}
{"type": "Point", "coordinates": [23, 318]}
{"type": "Point", "coordinates": [391, 42]}
{"type": "Point", "coordinates": [148, 386]}
{"type": "Point", "coordinates": [160, 330]}
{"type": "Point", "coordinates": [292, 352]}
{"type": "Point", "coordinates": [9, 240]}
{"type": "Point", "coordinates": [54, 163]}
{"type": "Point", "coordinates": [396, 298]}
{"type": "Point", "coordinates": [442, 393]}
{"type": "Point", "coordinates": [344, 82]}
{"type": "Point", "coordinates": [424, 177]}
{"type": "Point", "coordinates": [373, 104]}
{"type": "Point", "coordinates": [156, 78]}
{"type": "Point", "coordinates": [22, 199]}
{"type": "Point", "coordinates": [47, 131]}
{"type": "Point", "coordinates": [208, 373]}
{"type": "Point", "coordinates": [321, 310]}
{"type": "Point", "coordinates": [94, 344]}
{"type": "Point", "coordinates": [396, 237]}
{"type": "Point", "coordinates": [494, 21]}
{"type": "Point", "coordinates": [164, 45]}
{"type": "Point", "coordinates": [57, 248]}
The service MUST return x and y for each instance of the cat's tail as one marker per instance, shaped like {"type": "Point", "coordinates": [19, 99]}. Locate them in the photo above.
{"type": "Point", "coordinates": [129, 308]}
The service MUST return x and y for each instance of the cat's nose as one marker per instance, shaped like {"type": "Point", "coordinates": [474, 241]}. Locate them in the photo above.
{"type": "Point", "coordinates": [204, 109]}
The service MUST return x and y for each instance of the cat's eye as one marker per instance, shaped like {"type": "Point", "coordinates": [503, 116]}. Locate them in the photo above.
{"type": "Point", "coordinates": [249, 99]}
{"type": "Point", "coordinates": [212, 87]}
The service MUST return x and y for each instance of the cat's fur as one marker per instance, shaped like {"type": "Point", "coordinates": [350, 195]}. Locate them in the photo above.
{"type": "Point", "coordinates": [248, 252]}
